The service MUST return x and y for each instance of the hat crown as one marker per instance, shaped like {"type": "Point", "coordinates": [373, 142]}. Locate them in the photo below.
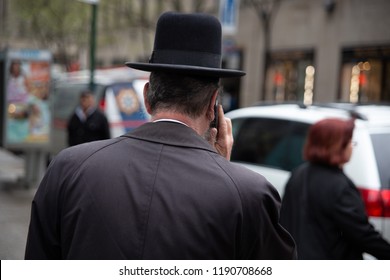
{"type": "Point", "coordinates": [188, 32]}
{"type": "Point", "coordinates": [187, 39]}
{"type": "Point", "coordinates": [190, 44]}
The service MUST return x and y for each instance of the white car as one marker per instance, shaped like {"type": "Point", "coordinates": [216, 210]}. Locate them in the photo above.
{"type": "Point", "coordinates": [269, 140]}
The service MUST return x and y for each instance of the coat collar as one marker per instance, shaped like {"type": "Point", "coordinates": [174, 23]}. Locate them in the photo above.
{"type": "Point", "coordinates": [170, 133]}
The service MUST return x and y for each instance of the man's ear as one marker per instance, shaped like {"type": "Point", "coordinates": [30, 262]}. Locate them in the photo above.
{"type": "Point", "coordinates": [147, 105]}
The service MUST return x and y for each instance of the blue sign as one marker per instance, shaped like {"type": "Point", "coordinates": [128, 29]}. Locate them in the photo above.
{"type": "Point", "coordinates": [30, 54]}
{"type": "Point", "coordinates": [228, 11]}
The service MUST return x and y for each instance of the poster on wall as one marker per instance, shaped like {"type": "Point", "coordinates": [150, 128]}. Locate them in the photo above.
{"type": "Point", "coordinates": [27, 87]}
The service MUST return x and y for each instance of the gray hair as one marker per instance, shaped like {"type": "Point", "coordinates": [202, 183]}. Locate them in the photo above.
{"type": "Point", "coordinates": [183, 94]}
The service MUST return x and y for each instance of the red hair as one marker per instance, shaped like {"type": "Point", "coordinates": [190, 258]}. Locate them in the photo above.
{"type": "Point", "coordinates": [327, 140]}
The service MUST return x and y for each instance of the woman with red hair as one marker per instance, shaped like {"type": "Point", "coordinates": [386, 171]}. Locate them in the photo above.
{"type": "Point", "coordinates": [321, 206]}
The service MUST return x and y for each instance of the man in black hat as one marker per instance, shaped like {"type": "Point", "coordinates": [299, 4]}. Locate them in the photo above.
{"type": "Point", "coordinates": [167, 190]}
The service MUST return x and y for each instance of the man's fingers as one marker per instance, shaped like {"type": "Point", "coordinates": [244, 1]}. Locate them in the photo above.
{"type": "Point", "coordinates": [223, 136]}
{"type": "Point", "coordinates": [212, 136]}
{"type": "Point", "coordinates": [221, 121]}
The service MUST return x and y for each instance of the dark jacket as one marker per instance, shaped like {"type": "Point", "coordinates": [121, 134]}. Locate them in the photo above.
{"type": "Point", "coordinates": [159, 192]}
{"type": "Point", "coordinates": [324, 212]}
{"type": "Point", "coordinates": [94, 127]}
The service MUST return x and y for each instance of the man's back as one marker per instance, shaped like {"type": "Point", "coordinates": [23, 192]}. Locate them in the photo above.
{"type": "Point", "coordinates": [164, 195]}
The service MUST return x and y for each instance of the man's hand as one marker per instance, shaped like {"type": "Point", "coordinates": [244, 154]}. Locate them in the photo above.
{"type": "Point", "coordinates": [222, 139]}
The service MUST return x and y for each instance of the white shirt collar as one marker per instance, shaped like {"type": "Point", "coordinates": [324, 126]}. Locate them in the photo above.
{"type": "Point", "coordinates": [170, 120]}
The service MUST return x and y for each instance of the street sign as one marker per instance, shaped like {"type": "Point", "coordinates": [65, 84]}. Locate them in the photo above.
{"type": "Point", "coordinates": [228, 14]}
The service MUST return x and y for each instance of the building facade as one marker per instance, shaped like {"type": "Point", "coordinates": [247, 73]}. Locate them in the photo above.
{"type": "Point", "coordinates": [318, 51]}
{"type": "Point", "coordinates": [308, 51]}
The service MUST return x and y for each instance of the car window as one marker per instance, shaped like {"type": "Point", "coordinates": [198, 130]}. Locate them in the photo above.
{"type": "Point", "coordinates": [269, 142]}
{"type": "Point", "coordinates": [382, 153]}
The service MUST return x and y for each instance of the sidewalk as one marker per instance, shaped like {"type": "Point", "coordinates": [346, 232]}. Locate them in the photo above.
{"type": "Point", "coordinates": [15, 208]}
{"type": "Point", "coordinates": [11, 167]}
{"type": "Point", "coordinates": [15, 204]}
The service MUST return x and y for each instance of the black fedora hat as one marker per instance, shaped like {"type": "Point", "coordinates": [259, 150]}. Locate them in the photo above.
{"type": "Point", "coordinates": [189, 44]}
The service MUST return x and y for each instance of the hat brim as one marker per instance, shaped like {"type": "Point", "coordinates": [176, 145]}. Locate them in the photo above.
{"type": "Point", "coordinates": [186, 69]}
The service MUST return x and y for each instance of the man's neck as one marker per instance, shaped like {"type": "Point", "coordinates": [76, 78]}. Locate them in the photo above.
{"type": "Point", "coordinates": [196, 124]}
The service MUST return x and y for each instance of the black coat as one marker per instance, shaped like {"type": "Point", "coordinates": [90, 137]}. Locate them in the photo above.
{"type": "Point", "coordinates": [159, 192]}
{"type": "Point", "coordinates": [94, 128]}
{"type": "Point", "coordinates": [325, 214]}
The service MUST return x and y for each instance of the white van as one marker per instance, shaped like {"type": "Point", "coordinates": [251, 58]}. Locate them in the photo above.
{"type": "Point", "coordinates": [118, 91]}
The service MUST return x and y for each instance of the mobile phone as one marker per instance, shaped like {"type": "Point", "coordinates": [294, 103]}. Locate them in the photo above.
{"type": "Point", "coordinates": [214, 123]}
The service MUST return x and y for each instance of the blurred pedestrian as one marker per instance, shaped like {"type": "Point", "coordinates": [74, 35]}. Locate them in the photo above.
{"type": "Point", "coordinates": [167, 189]}
{"type": "Point", "coordinates": [87, 123]}
{"type": "Point", "coordinates": [321, 207]}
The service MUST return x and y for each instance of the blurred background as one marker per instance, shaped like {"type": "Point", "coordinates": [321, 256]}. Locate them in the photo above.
{"type": "Point", "coordinates": [312, 50]}
{"type": "Point", "coordinates": [304, 51]}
